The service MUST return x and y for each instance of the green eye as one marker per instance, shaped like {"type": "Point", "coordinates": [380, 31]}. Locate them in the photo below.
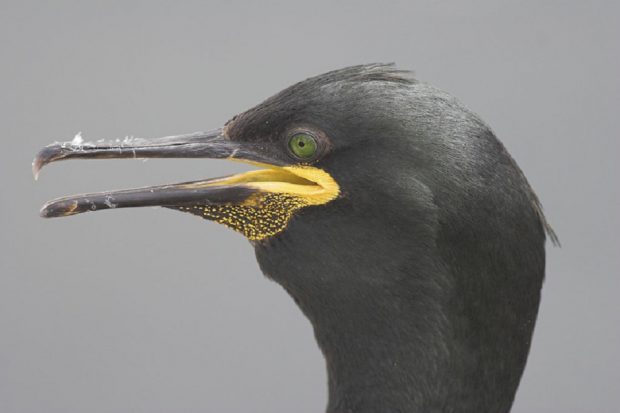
{"type": "Point", "coordinates": [302, 145]}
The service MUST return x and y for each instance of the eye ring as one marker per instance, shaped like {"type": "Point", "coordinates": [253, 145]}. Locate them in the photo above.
{"type": "Point", "coordinates": [303, 146]}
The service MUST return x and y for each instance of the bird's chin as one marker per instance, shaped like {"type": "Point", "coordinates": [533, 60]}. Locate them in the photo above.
{"type": "Point", "coordinates": [258, 203]}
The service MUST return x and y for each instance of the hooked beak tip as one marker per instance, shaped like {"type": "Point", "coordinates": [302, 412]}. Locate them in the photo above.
{"type": "Point", "coordinates": [36, 168]}
{"type": "Point", "coordinates": [46, 155]}
{"type": "Point", "coordinates": [43, 212]}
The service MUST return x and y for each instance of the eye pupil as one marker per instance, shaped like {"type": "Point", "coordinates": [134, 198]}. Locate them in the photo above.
{"type": "Point", "coordinates": [303, 145]}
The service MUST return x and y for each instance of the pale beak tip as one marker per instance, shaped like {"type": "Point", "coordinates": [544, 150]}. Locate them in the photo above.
{"type": "Point", "coordinates": [36, 168]}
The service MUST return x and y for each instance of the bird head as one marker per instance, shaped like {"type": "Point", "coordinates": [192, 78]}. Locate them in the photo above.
{"type": "Point", "coordinates": [389, 211]}
{"type": "Point", "coordinates": [306, 142]}
{"type": "Point", "coordinates": [387, 148]}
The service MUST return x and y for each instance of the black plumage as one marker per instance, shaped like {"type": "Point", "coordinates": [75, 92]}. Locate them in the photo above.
{"type": "Point", "coordinates": [422, 277]}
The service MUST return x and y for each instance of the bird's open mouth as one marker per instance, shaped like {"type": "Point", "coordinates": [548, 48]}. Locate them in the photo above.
{"type": "Point", "coordinates": [298, 185]}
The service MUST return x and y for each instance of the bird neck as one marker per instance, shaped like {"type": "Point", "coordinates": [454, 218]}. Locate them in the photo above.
{"type": "Point", "coordinates": [412, 326]}
{"type": "Point", "coordinates": [429, 345]}
{"type": "Point", "coordinates": [386, 361]}
{"type": "Point", "coordinates": [416, 355]}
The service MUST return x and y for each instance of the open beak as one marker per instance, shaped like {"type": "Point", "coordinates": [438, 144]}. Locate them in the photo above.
{"type": "Point", "coordinates": [308, 185]}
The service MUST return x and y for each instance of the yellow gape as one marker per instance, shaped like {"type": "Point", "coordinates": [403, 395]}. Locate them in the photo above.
{"type": "Point", "coordinates": [282, 191]}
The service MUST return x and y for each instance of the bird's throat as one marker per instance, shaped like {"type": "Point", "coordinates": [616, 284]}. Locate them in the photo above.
{"type": "Point", "coordinates": [411, 350]}
{"type": "Point", "coordinates": [388, 363]}
{"type": "Point", "coordinates": [413, 366]}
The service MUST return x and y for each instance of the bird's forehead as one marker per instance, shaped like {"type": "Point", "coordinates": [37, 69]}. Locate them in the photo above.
{"type": "Point", "coordinates": [318, 101]}
{"type": "Point", "coordinates": [275, 115]}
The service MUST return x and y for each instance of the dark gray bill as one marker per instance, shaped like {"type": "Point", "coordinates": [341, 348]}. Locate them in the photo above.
{"type": "Point", "coordinates": [176, 195]}
{"type": "Point", "coordinates": [212, 144]}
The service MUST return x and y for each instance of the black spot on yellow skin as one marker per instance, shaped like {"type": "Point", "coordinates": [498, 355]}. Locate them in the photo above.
{"type": "Point", "coordinates": [262, 216]}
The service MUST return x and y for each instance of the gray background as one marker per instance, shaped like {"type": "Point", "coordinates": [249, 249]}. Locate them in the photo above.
{"type": "Point", "coordinates": [155, 311]}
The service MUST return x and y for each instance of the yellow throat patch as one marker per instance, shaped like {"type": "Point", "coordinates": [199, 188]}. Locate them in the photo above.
{"type": "Point", "coordinates": [282, 191]}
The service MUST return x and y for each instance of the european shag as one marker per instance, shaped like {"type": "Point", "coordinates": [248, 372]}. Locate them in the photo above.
{"type": "Point", "coordinates": [392, 215]}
